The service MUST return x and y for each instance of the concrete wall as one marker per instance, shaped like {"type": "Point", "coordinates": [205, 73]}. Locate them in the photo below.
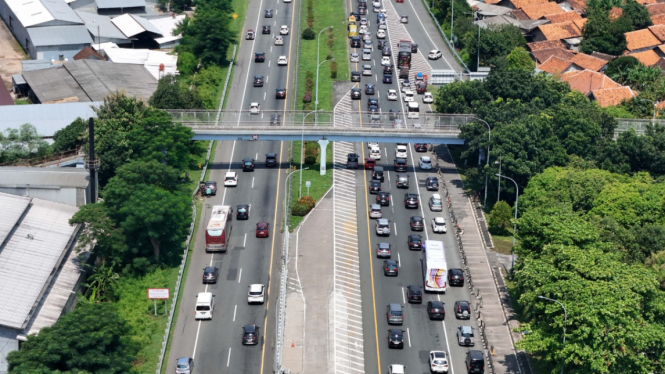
{"type": "Point", "coordinates": [54, 52]}
{"type": "Point", "coordinates": [13, 24]}
{"type": "Point", "coordinates": [66, 195]}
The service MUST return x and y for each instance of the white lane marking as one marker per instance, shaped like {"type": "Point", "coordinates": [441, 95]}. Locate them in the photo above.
{"type": "Point", "coordinates": [228, 360]}
{"type": "Point", "coordinates": [252, 182]}
{"type": "Point", "coordinates": [244, 242]}
{"type": "Point", "coordinates": [256, 157]}
{"type": "Point", "coordinates": [378, 94]}
{"type": "Point", "coordinates": [265, 93]}
{"type": "Point", "coordinates": [240, 276]}
{"type": "Point", "coordinates": [399, 260]}
{"type": "Point", "coordinates": [428, 36]}
{"type": "Point", "coordinates": [235, 309]}
{"type": "Point", "coordinates": [395, 226]}
{"type": "Point", "coordinates": [267, 77]}
{"type": "Point", "coordinates": [403, 297]}
{"type": "Point", "coordinates": [388, 172]}
{"type": "Point", "coordinates": [408, 335]}
{"type": "Point", "coordinates": [270, 49]}
{"type": "Point", "coordinates": [268, 63]}
{"type": "Point", "coordinates": [376, 78]}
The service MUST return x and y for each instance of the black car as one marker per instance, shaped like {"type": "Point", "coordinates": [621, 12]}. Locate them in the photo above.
{"type": "Point", "coordinates": [373, 109]}
{"type": "Point", "coordinates": [388, 70]}
{"type": "Point", "coordinates": [369, 89]}
{"type": "Point", "coordinates": [414, 48]}
{"type": "Point", "coordinates": [400, 164]}
{"type": "Point", "coordinates": [271, 159]}
{"type": "Point", "coordinates": [258, 81]}
{"type": "Point", "coordinates": [266, 29]}
{"type": "Point", "coordinates": [355, 14]}
{"type": "Point", "coordinates": [395, 338]}
{"type": "Point", "coordinates": [383, 198]}
{"type": "Point", "coordinates": [242, 212]}
{"type": "Point", "coordinates": [250, 335]}
{"type": "Point", "coordinates": [355, 42]}
{"type": "Point", "coordinates": [381, 43]}
{"type": "Point", "coordinates": [210, 274]}
{"type": "Point", "coordinates": [374, 186]}
{"type": "Point", "coordinates": [352, 161]}
{"type": "Point", "coordinates": [411, 200]}
{"type": "Point", "coordinates": [435, 310]}
{"type": "Point", "coordinates": [356, 94]}
{"type": "Point", "coordinates": [372, 101]}
{"type": "Point", "coordinates": [390, 268]}
{"type": "Point", "coordinates": [417, 223]}
{"type": "Point", "coordinates": [385, 51]}
{"type": "Point", "coordinates": [362, 11]}
{"type": "Point", "coordinates": [456, 277]}
{"type": "Point", "coordinates": [210, 188]}
{"type": "Point", "coordinates": [355, 76]}
{"type": "Point", "coordinates": [268, 13]}
{"type": "Point", "coordinates": [280, 93]}
{"type": "Point", "coordinates": [414, 294]}
{"type": "Point", "coordinates": [259, 57]}
{"type": "Point", "coordinates": [415, 242]}
{"type": "Point", "coordinates": [421, 147]}
{"type": "Point", "coordinates": [432, 184]}
{"type": "Point", "coordinates": [462, 309]}
{"type": "Point", "coordinates": [248, 164]}
{"type": "Point", "coordinates": [387, 78]}
{"type": "Point", "coordinates": [275, 119]}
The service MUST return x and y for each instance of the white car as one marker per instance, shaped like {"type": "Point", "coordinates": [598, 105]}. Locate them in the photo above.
{"type": "Point", "coordinates": [371, 145]}
{"type": "Point", "coordinates": [284, 30]}
{"type": "Point", "coordinates": [355, 57]}
{"type": "Point", "coordinates": [256, 294]}
{"type": "Point", "coordinates": [396, 369]}
{"type": "Point", "coordinates": [367, 36]}
{"type": "Point", "coordinates": [425, 163]}
{"type": "Point", "coordinates": [367, 54]}
{"type": "Point", "coordinates": [382, 25]}
{"type": "Point", "coordinates": [282, 61]}
{"type": "Point", "coordinates": [364, 21]}
{"type": "Point", "coordinates": [362, 30]}
{"type": "Point", "coordinates": [438, 362]}
{"type": "Point", "coordinates": [439, 225]}
{"type": "Point", "coordinates": [381, 34]}
{"type": "Point", "coordinates": [428, 98]}
{"type": "Point", "coordinates": [254, 108]}
{"type": "Point", "coordinates": [376, 4]}
{"type": "Point", "coordinates": [375, 211]}
{"type": "Point", "coordinates": [400, 151]}
{"type": "Point", "coordinates": [375, 153]}
{"type": "Point", "coordinates": [408, 96]}
{"type": "Point", "coordinates": [434, 54]}
{"type": "Point", "coordinates": [392, 95]}
{"type": "Point", "coordinates": [385, 61]}
{"type": "Point", "coordinates": [287, 1]}
{"type": "Point", "coordinates": [367, 70]}
{"type": "Point", "coordinates": [279, 40]}
{"type": "Point", "coordinates": [231, 179]}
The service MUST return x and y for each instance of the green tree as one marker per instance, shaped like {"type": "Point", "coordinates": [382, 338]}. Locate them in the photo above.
{"type": "Point", "coordinates": [101, 234]}
{"type": "Point", "coordinates": [208, 82]}
{"type": "Point", "coordinates": [208, 35]}
{"type": "Point", "coordinates": [619, 68]}
{"type": "Point", "coordinates": [495, 43]}
{"type": "Point", "coordinates": [187, 63]}
{"type": "Point", "coordinates": [91, 339]}
{"type": "Point", "coordinates": [500, 218]}
{"type": "Point", "coordinates": [71, 137]}
{"type": "Point", "coordinates": [174, 5]}
{"type": "Point", "coordinates": [21, 143]}
{"type": "Point", "coordinates": [170, 94]}
{"type": "Point", "coordinates": [100, 284]}
{"type": "Point", "coordinates": [637, 13]}
{"type": "Point", "coordinates": [520, 59]}
{"type": "Point", "coordinates": [603, 35]}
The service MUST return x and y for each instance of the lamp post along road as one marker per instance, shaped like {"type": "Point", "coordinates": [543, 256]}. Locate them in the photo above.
{"type": "Point", "coordinates": [316, 97]}
{"type": "Point", "coordinates": [498, 191]}
{"type": "Point", "coordinates": [565, 321]}
{"type": "Point", "coordinates": [302, 150]}
{"type": "Point", "coordinates": [318, 53]}
{"type": "Point", "coordinates": [517, 196]}
{"type": "Point", "coordinates": [487, 159]}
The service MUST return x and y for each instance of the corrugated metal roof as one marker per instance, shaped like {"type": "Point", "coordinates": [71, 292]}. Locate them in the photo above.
{"type": "Point", "coordinates": [112, 4]}
{"type": "Point", "coordinates": [35, 248]}
{"type": "Point", "coordinates": [166, 25]}
{"type": "Point", "coordinates": [12, 208]}
{"type": "Point", "coordinates": [127, 56]}
{"type": "Point", "coordinates": [47, 118]}
{"type": "Point", "coordinates": [43, 177]}
{"type": "Point", "coordinates": [59, 35]}
{"type": "Point", "coordinates": [30, 13]}
{"type": "Point", "coordinates": [61, 11]}
{"type": "Point", "coordinates": [30, 65]}
{"type": "Point", "coordinates": [132, 25]}
{"type": "Point", "coordinates": [51, 85]}
{"type": "Point", "coordinates": [101, 26]}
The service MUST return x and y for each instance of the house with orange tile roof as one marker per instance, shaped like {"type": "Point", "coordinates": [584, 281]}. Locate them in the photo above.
{"type": "Point", "coordinates": [555, 65]}
{"type": "Point", "coordinates": [540, 10]}
{"type": "Point", "coordinates": [612, 96]}
{"type": "Point", "coordinates": [658, 19]}
{"type": "Point", "coordinates": [563, 17]}
{"type": "Point", "coordinates": [658, 31]}
{"type": "Point", "coordinates": [588, 62]}
{"type": "Point", "coordinates": [519, 14]}
{"type": "Point", "coordinates": [543, 55]}
{"type": "Point", "coordinates": [586, 81]}
{"type": "Point", "coordinates": [580, 23]}
{"type": "Point", "coordinates": [641, 40]}
{"type": "Point", "coordinates": [557, 31]}
{"type": "Point", "coordinates": [660, 49]}
{"type": "Point", "coordinates": [519, 4]}
{"type": "Point", "coordinates": [546, 44]}
{"type": "Point", "coordinates": [654, 9]}
{"type": "Point", "coordinates": [645, 2]}
{"type": "Point", "coordinates": [648, 58]}
{"type": "Point", "coordinates": [615, 13]}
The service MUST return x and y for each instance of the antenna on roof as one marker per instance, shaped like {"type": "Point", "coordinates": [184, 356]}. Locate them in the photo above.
{"type": "Point", "coordinates": [30, 236]}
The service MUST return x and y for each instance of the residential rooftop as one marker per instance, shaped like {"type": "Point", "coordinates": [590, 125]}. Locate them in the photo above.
{"type": "Point", "coordinates": [640, 39]}
{"type": "Point", "coordinates": [588, 62]}
{"type": "Point", "coordinates": [586, 81]}
{"type": "Point", "coordinates": [613, 96]}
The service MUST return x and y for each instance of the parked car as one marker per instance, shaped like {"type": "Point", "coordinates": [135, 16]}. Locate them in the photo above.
{"type": "Point", "coordinates": [210, 188]}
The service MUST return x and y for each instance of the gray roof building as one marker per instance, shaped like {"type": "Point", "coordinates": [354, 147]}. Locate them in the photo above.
{"type": "Point", "coordinates": [102, 29]}
{"type": "Point", "coordinates": [68, 186]}
{"type": "Point", "coordinates": [115, 4]}
{"type": "Point", "coordinates": [59, 35]}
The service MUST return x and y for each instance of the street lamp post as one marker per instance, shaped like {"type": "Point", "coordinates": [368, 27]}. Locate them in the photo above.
{"type": "Point", "coordinates": [653, 119]}
{"type": "Point", "coordinates": [498, 191]}
{"type": "Point", "coordinates": [517, 195]}
{"type": "Point", "coordinates": [316, 97]}
{"type": "Point", "coordinates": [318, 39]}
{"type": "Point", "coordinates": [565, 321]}
{"type": "Point", "coordinates": [302, 147]}
{"type": "Point", "coordinates": [489, 140]}
{"type": "Point", "coordinates": [286, 198]}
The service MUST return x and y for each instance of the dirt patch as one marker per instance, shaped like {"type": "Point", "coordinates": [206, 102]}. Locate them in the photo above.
{"type": "Point", "coordinates": [11, 55]}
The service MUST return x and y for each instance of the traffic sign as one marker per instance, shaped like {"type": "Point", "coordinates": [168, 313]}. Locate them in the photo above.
{"type": "Point", "coordinates": [255, 137]}
{"type": "Point", "coordinates": [308, 184]}
{"type": "Point", "coordinates": [158, 293]}
{"type": "Point", "coordinates": [235, 16]}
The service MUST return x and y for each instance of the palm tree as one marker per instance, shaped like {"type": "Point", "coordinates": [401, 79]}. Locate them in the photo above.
{"type": "Point", "coordinates": [101, 282]}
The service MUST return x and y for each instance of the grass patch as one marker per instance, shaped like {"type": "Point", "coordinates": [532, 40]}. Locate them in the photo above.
{"type": "Point", "coordinates": [503, 244]}
{"type": "Point", "coordinates": [21, 102]}
{"type": "Point", "coordinates": [320, 183]}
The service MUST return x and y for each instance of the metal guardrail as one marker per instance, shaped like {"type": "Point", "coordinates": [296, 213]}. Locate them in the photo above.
{"type": "Point", "coordinates": [443, 34]}
{"type": "Point", "coordinates": [181, 270]}
{"type": "Point", "coordinates": [639, 125]}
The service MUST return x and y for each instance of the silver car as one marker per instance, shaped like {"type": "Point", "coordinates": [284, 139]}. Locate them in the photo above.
{"type": "Point", "coordinates": [465, 336]}
{"type": "Point", "coordinates": [383, 250]}
{"type": "Point", "coordinates": [435, 203]}
{"type": "Point", "coordinates": [184, 365]}
{"type": "Point", "coordinates": [355, 57]}
{"type": "Point", "coordinates": [375, 211]}
{"type": "Point", "coordinates": [382, 227]}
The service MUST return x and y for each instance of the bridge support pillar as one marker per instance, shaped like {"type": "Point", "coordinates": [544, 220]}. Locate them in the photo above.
{"type": "Point", "coordinates": [323, 143]}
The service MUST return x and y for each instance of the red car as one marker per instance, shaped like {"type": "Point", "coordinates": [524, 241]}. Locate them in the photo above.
{"type": "Point", "coordinates": [262, 230]}
{"type": "Point", "coordinates": [370, 163]}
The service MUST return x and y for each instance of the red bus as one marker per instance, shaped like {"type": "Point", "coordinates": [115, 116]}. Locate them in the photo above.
{"type": "Point", "coordinates": [218, 231]}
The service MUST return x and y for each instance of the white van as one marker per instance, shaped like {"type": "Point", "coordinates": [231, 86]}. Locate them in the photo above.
{"type": "Point", "coordinates": [413, 110]}
{"type": "Point", "coordinates": [205, 303]}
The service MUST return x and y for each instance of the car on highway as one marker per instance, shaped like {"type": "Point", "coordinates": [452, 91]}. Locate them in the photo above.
{"type": "Point", "coordinates": [395, 314]}
{"type": "Point", "coordinates": [258, 81]}
{"type": "Point", "coordinates": [352, 161]}
{"type": "Point", "coordinates": [370, 163]}
{"type": "Point", "coordinates": [385, 51]}
{"type": "Point", "coordinates": [390, 268]}
{"type": "Point", "coordinates": [355, 76]}
{"type": "Point", "coordinates": [210, 274]}
{"type": "Point", "coordinates": [387, 78]}
{"type": "Point", "coordinates": [396, 338]}
{"type": "Point", "coordinates": [259, 57]}
{"type": "Point", "coordinates": [184, 365]}
{"type": "Point", "coordinates": [392, 95]}
{"type": "Point", "coordinates": [438, 362]}
{"type": "Point", "coordinates": [432, 184]}
{"type": "Point", "coordinates": [231, 179]}
{"type": "Point", "coordinates": [400, 164]}
{"type": "Point", "coordinates": [286, 1]}
{"type": "Point", "coordinates": [205, 306]}
{"type": "Point", "coordinates": [282, 61]}
{"type": "Point", "coordinates": [381, 43]}
{"type": "Point", "coordinates": [376, 3]}
{"type": "Point", "coordinates": [414, 294]}
{"type": "Point", "coordinates": [456, 277]}
{"type": "Point", "coordinates": [367, 43]}
{"type": "Point", "coordinates": [385, 61]}
{"type": "Point", "coordinates": [265, 29]}
{"type": "Point", "coordinates": [369, 89]}
{"type": "Point", "coordinates": [356, 94]}
{"type": "Point", "coordinates": [271, 159]}
{"type": "Point", "coordinates": [411, 200]}
{"type": "Point", "coordinates": [475, 361]}
{"type": "Point", "coordinates": [383, 198]}
{"type": "Point", "coordinates": [389, 69]}
{"type": "Point", "coordinates": [242, 212]}
{"type": "Point", "coordinates": [374, 186]}
{"type": "Point", "coordinates": [381, 34]}
{"type": "Point", "coordinates": [435, 310]}
{"type": "Point", "coordinates": [414, 48]}
{"type": "Point", "coordinates": [256, 294]}
{"type": "Point", "coordinates": [425, 163]}
{"type": "Point", "coordinates": [408, 96]}
{"type": "Point", "coordinates": [375, 153]}
{"type": "Point", "coordinates": [250, 35]}
{"type": "Point", "coordinates": [210, 188]}
{"type": "Point", "coordinates": [254, 108]}
{"type": "Point", "coordinates": [371, 145]}
{"type": "Point", "coordinates": [384, 250]}
{"type": "Point", "coordinates": [416, 223]}
{"type": "Point", "coordinates": [268, 13]}
{"type": "Point", "coordinates": [382, 227]}
{"type": "Point", "coordinates": [375, 211]}
{"type": "Point", "coordinates": [435, 203]}
{"type": "Point", "coordinates": [284, 30]}
{"type": "Point", "coordinates": [262, 230]}
{"type": "Point", "coordinates": [428, 98]}
{"type": "Point", "coordinates": [382, 25]}
{"type": "Point", "coordinates": [279, 40]}
{"type": "Point", "coordinates": [362, 30]}
{"type": "Point", "coordinates": [377, 173]}
{"type": "Point", "coordinates": [248, 164]}
{"type": "Point", "coordinates": [280, 93]}
{"type": "Point", "coordinates": [372, 102]}
{"type": "Point", "coordinates": [367, 70]}
{"type": "Point", "coordinates": [355, 14]}
{"type": "Point", "coordinates": [250, 335]}
{"type": "Point", "coordinates": [439, 225]}
{"type": "Point", "coordinates": [401, 151]}
{"type": "Point", "coordinates": [355, 42]}
{"type": "Point", "coordinates": [275, 119]}
{"type": "Point", "coordinates": [354, 57]}
{"type": "Point", "coordinates": [462, 309]}
{"type": "Point", "coordinates": [406, 84]}
{"type": "Point", "coordinates": [420, 147]}
{"type": "Point", "coordinates": [415, 242]}
{"type": "Point", "coordinates": [434, 54]}
{"type": "Point", "coordinates": [465, 336]}
{"type": "Point", "coordinates": [396, 369]}
{"type": "Point", "coordinates": [364, 21]}
{"type": "Point", "coordinates": [404, 18]}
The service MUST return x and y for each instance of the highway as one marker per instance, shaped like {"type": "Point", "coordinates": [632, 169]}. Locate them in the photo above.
{"type": "Point", "coordinates": [216, 345]}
